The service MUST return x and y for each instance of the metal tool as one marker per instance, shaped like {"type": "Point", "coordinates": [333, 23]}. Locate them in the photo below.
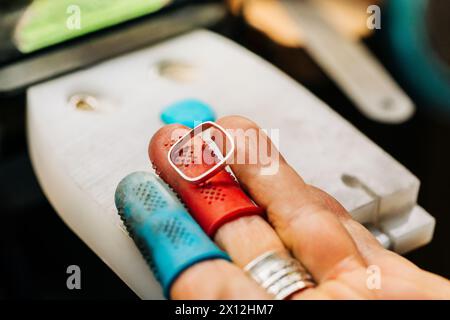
{"type": "Point", "coordinates": [354, 69]}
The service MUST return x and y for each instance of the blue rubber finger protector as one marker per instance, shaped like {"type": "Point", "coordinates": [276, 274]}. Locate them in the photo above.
{"type": "Point", "coordinates": [167, 236]}
{"type": "Point", "coordinates": [189, 112]}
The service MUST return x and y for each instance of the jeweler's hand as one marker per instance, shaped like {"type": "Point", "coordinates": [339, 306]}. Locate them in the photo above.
{"type": "Point", "coordinates": [316, 229]}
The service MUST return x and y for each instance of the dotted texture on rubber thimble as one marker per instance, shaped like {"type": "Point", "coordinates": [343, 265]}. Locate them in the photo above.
{"type": "Point", "coordinates": [148, 195]}
{"type": "Point", "coordinates": [170, 143]}
{"type": "Point", "coordinates": [175, 231]}
{"type": "Point", "coordinates": [212, 193]}
{"type": "Point", "coordinates": [186, 157]}
{"type": "Point", "coordinates": [146, 254]}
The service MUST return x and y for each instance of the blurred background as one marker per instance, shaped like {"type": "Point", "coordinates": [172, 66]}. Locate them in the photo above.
{"type": "Point", "coordinates": [413, 44]}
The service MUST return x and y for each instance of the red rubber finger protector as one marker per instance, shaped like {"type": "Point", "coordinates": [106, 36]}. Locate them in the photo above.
{"type": "Point", "coordinates": [213, 202]}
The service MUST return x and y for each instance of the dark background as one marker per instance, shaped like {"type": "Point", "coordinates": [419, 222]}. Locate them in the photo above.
{"type": "Point", "coordinates": [36, 247]}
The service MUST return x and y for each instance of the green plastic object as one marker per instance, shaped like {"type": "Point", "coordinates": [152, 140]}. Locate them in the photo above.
{"type": "Point", "coordinates": [48, 22]}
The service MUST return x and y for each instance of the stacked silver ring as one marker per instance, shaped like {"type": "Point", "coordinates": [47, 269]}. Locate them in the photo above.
{"type": "Point", "coordinates": [279, 274]}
